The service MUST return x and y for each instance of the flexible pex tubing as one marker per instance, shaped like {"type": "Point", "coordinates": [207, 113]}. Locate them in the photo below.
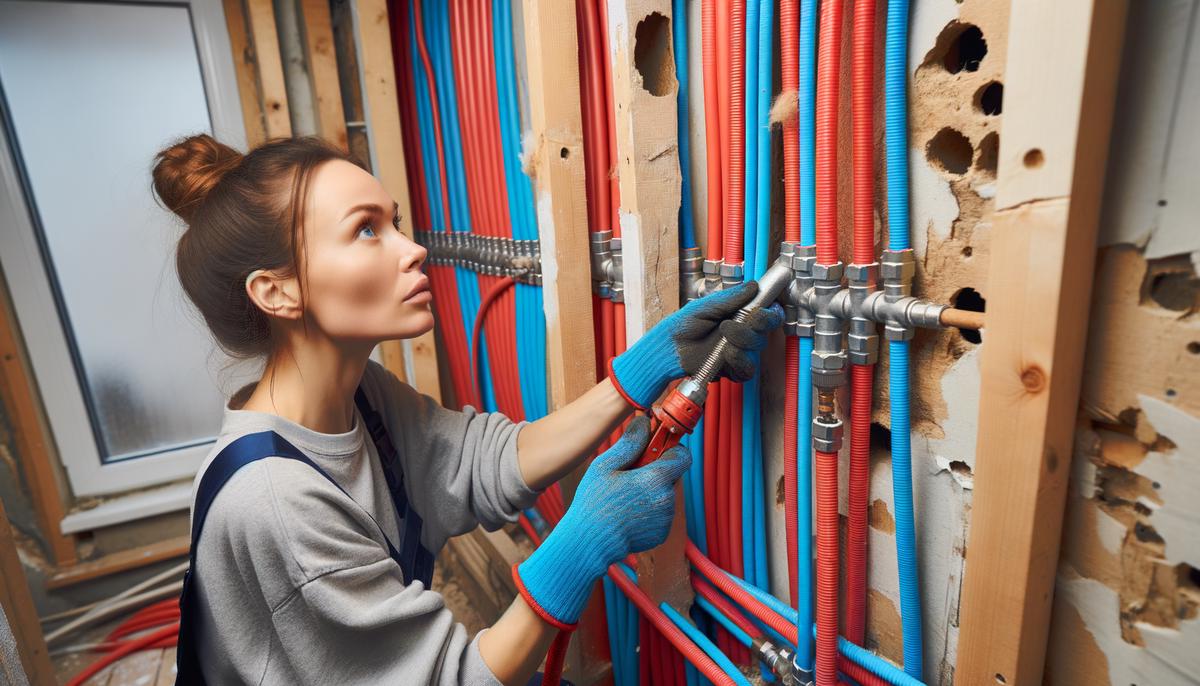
{"type": "Point", "coordinates": [862, 375]}
{"type": "Point", "coordinates": [896, 135]}
{"type": "Point", "coordinates": [828, 64]}
{"type": "Point", "coordinates": [806, 151]}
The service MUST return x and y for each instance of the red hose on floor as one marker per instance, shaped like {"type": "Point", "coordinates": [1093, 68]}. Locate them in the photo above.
{"type": "Point", "coordinates": [827, 567]}
{"type": "Point", "coordinates": [147, 641]}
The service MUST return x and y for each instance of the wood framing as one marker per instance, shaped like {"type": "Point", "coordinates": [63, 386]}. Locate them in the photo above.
{"type": "Point", "coordinates": [18, 395]}
{"type": "Point", "coordinates": [245, 65]}
{"type": "Point", "coordinates": [644, 100]}
{"type": "Point", "coordinates": [387, 162]}
{"type": "Point", "coordinates": [551, 51]}
{"type": "Point", "coordinates": [551, 59]}
{"type": "Point", "coordinates": [21, 615]}
{"type": "Point", "coordinates": [263, 36]}
{"type": "Point", "coordinates": [317, 29]}
{"type": "Point", "coordinates": [120, 561]}
{"type": "Point", "coordinates": [1061, 78]}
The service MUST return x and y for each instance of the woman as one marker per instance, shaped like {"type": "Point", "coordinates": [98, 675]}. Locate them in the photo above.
{"type": "Point", "coordinates": [293, 253]}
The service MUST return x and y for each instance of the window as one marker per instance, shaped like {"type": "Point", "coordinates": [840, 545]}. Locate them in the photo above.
{"type": "Point", "coordinates": [89, 91]}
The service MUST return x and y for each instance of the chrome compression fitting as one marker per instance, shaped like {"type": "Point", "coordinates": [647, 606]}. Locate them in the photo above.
{"type": "Point", "coordinates": [691, 275]}
{"type": "Point", "coordinates": [488, 255]}
{"type": "Point", "coordinates": [607, 266]}
{"type": "Point", "coordinates": [782, 663]}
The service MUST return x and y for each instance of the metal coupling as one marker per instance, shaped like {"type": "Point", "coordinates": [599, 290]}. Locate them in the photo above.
{"type": "Point", "coordinates": [712, 276]}
{"type": "Point", "coordinates": [781, 662]}
{"type": "Point", "coordinates": [827, 433]}
{"type": "Point", "coordinates": [607, 281]}
{"type": "Point", "coordinates": [798, 305]}
{"type": "Point", "coordinates": [897, 268]}
{"type": "Point", "coordinates": [691, 275]}
{"type": "Point", "coordinates": [732, 274]}
{"type": "Point", "coordinates": [828, 356]}
{"type": "Point", "coordinates": [862, 341]}
{"type": "Point", "coordinates": [617, 277]}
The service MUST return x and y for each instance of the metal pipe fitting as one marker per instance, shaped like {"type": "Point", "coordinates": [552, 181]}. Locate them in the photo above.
{"type": "Point", "coordinates": [827, 433]}
{"type": "Point", "coordinates": [712, 276]}
{"type": "Point", "coordinates": [617, 277]}
{"type": "Point", "coordinates": [798, 305]}
{"type": "Point", "coordinates": [691, 275]}
{"type": "Point", "coordinates": [862, 340]}
{"type": "Point", "coordinates": [781, 661]}
{"type": "Point", "coordinates": [732, 274]}
{"type": "Point", "coordinates": [897, 267]}
{"type": "Point", "coordinates": [829, 356]}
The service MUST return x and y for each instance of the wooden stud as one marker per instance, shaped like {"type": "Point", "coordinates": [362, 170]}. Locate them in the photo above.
{"type": "Point", "coordinates": [245, 65]}
{"type": "Point", "coordinates": [387, 161]}
{"type": "Point", "coordinates": [317, 29]}
{"type": "Point", "coordinates": [551, 52]}
{"type": "Point", "coordinates": [34, 445]}
{"type": "Point", "coordinates": [260, 15]}
{"type": "Point", "coordinates": [1063, 62]}
{"type": "Point", "coordinates": [21, 615]}
{"type": "Point", "coordinates": [644, 97]}
{"type": "Point", "coordinates": [120, 561]}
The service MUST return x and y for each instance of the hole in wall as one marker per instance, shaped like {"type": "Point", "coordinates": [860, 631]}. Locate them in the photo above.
{"type": "Point", "coordinates": [1034, 158]}
{"type": "Point", "coordinates": [1000, 678]}
{"type": "Point", "coordinates": [967, 251]}
{"type": "Point", "coordinates": [966, 51]}
{"type": "Point", "coordinates": [970, 299]}
{"type": "Point", "coordinates": [988, 156]}
{"type": "Point", "coordinates": [881, 436]}
{"type": "Point", "coordinates": [990, 98]}
{"type": "Point", "coordinates": [652, 54]}
{"type": "Point", "coordinates": [1194, 347]}
{"type": "Point", "coordinates": [564, 153]}
{"type": "Point", "coordinates": [1176, 290]}
{"type": "Point", "coordinates": [950, 151]}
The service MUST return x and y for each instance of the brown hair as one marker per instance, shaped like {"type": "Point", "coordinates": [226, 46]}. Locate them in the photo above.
{"type": "Point", "coordinates": [244, 212]}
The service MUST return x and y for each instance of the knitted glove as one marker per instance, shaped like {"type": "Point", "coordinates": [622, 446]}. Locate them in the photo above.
{"type": "Point", "coordinates": [615, 512]}
{"type": "Point", "coordinates": [678, 345]}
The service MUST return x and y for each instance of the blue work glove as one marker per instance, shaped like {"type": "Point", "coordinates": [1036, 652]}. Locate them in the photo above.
{"type": "Point", "coordinates": [615, 512]}
{"type": "Point", "coordinates": [679, 344]}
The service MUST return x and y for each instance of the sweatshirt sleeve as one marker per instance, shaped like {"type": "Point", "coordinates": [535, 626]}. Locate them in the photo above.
{"type": "Point", "coordinates": [460, 468]}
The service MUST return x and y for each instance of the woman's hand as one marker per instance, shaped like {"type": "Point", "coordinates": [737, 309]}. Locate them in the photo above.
{"type": "Point", "coordinates": [615, 512]}
{"type": "Point", "coordinates": [679, 344]}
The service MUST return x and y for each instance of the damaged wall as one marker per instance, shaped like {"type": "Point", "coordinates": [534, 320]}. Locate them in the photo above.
{"type": "Point", "coordinates": [1128, 587]}
{"type": "Point", "coordinates": [957, 55]}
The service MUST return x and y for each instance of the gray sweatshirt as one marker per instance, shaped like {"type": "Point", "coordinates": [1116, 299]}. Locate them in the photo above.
{"type": "Point", "coordinates": [294, 581]}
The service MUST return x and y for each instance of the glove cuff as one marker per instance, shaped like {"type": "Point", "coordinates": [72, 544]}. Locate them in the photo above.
{"type": "Point", "coordinates": [536, 606]}
{"type": "Point", "coordinates": [557, 579]}
{"type": "Point", "coordinates": [641, 375]}
{"type": "Point", "coordinates": [616, 382]}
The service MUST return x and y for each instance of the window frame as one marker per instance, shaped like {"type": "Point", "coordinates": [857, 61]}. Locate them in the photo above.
{"type": "Point", "coordinates": [36, 311]}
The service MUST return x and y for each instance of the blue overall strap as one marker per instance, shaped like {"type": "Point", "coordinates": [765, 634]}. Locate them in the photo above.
{"type": "Point", "coordinates": [239, 453]}
{"type": "Point", "coordinates": [415, 558]}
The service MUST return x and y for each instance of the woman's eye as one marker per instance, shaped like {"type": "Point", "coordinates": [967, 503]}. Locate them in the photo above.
{"type": "Point", "coordinates": [365, 231]}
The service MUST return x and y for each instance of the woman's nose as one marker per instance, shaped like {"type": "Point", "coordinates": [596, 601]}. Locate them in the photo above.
{"type": "Point", "coordinates": [413, 255]}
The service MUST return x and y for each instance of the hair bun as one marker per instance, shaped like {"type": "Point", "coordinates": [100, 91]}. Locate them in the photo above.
{"type": "Point", "coordinates": [186, 171]}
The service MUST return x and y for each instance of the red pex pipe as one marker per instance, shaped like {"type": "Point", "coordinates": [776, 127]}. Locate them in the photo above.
{"type": "Point", "coordinates": [735, 170]}
{"type": "Point", "coordinates": [712, 134]}
{"type": "Point", "coordinates": [611, 123]}
{"type": "Point", "coordinates": [133, 646]}
{"type": "Point", "coordinates": [690, 651]}
{"type": "Point", "coordinates": [827, 567]}
{"type": "Point", "coordinates": [705, 590]}
{"type": "Point", "coordinates": [861, 378]}
{"type": "Point", "coordinates": [791, 404]}
{"type": "Point", "coordinates": [829, 57]}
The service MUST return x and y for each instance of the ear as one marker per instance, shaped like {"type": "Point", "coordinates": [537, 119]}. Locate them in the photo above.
{"type": "Point", "coordinates": [275, 295]}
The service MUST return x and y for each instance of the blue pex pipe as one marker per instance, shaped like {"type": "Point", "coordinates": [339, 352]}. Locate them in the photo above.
{"type": "Point", "coordinates": [706, 645]}
{"type": "Point", "coordinates": [766, 62]}
{"type": "Point", "coordinates": [724, 621]}
{"type": "Point", "coordinates": [807, 100]}
{"type": "Point", "coordinates": [906, 543]}
{"type": "Point", "coordinates": [895, 93]}
{"type": "Point", "coordinates": [687, 236]}
{"type": "Point", "coordinates": [804, 476]}
{"type": "Point", "coordinates": [857, 654]}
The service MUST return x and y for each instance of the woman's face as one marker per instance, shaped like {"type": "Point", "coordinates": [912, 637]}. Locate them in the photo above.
{"type": "Point", "coordinates": [363, 276]}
